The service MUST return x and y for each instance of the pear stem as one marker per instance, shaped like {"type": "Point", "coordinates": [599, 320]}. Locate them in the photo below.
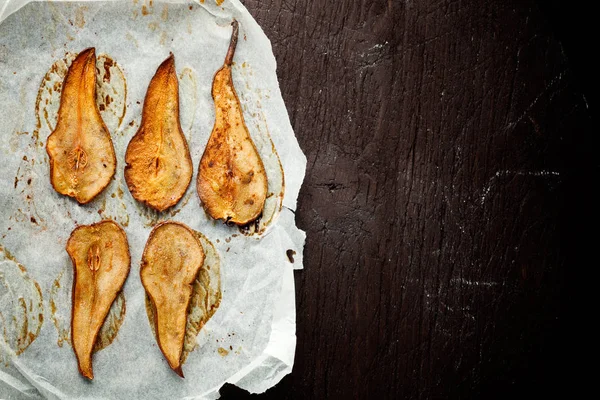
{"type": "Point", "coordinates": [232, 43]}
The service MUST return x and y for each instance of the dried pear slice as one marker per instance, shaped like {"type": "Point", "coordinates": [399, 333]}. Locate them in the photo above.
{"type": "Point", "coordinates": [232, 182]}
{"type": "Point", "coordinates": [205, 300]}
{"type": "Point", "coordinates": [100, 256]}
{"type": "Point", "coordinates": [159, 167]}
{"type": "Point", "coordinates": [82, 157]}
{"type": "Point", "coordinates": [170, 263]}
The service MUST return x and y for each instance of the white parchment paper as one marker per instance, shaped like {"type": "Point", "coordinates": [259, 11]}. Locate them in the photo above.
{"type": "Point", "coordinates": [250, 340]}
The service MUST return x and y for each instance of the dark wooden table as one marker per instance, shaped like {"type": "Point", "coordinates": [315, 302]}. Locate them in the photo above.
{"type": "Point", "coordinates": [449, 174]}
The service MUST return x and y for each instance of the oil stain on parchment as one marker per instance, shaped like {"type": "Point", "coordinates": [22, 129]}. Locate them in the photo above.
{"type": "Point", "coordinates": [223, 352]}
{"type": "Point", "coordinates": [111, 91]}
{"type": "Point", "coordinates": [206, 297]}
{"type": "Point", "coordinates": [80, 17]}
{"type": "Point", "coordinates": [21, 306]}
{"type": "Point", "coordinates": [112, 323]}
{"type": "Point", "coordinates": [25, 181]}
{"type": "Point", "coordinates": [59, 296]}
{"type": "Point", "coordinates": [251, 99]}
{"type": "Point", "coordinates": [188, 101]}
{"type": "Point", "coordinates": [60, 309]}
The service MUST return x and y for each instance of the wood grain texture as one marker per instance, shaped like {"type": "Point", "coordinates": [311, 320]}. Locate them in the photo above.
{"type": "Point", "coordinates": [446, 147]}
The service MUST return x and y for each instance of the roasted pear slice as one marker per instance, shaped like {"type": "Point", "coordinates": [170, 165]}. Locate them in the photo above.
{"type": "Point", "coordinates": [159, 167]}
{"type": "Point", "coordinates": [170, 263]}
{"type": "Point", "coordinates": [82, 157]}
{"type": "Point", "coordinates": [100, 256]}
{"type": "Point", "coordinates": [232, 182]}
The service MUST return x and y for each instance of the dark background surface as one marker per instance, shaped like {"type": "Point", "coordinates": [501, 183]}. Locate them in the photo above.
{"type": "Point", "coordinates": [448, 191]}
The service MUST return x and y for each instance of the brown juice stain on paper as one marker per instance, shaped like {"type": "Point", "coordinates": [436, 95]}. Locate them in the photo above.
{"type": "Point", "coordinates": [21, 306]}
{"type": "Point", "coordinates": [151, 216]}
{"type": "Point", "coordinates": [179, 206]}
{"type": "Point", "coordinates": [112, 323]}
{"type": "Point", "coordinates": [147, 8]}
{"type": "Point", "coordinates": [111, 204]}
{"type": "Point", "coordinates": [59, 296]}
{"type": "Point", "coordinates": [222, 352]}
{"type": "Point", "coordinates": [61, 305]}
{"type": "Point", "coordinates": [25, 181]}
{"type": "Point", "coordinates": [251, 100]}
{"type": "Point", "coordinates": [189, 100]}
{"type": "Point", "coordinates": [79, 17]}
{"type": "Point", "coordinates": [131, 38]}
{"type": "Point", "coordinates": [206, 297]}
{"type": "Point", "coordinates": [111, 92]}
{"type": "Point", "coordinates": [163, 38]}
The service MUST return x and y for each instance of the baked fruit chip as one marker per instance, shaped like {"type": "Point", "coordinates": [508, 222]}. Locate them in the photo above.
{"type": "Point", "coordinates": [159, 167]}
{"type": "Point", "coordinates": [100, 256]}
{"type": "Point", "coordinates": [170, 263]}
{"type": "Point", "coordinates": [232, 182]}
{"type": "Point", "coordinates": [82, 157]}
